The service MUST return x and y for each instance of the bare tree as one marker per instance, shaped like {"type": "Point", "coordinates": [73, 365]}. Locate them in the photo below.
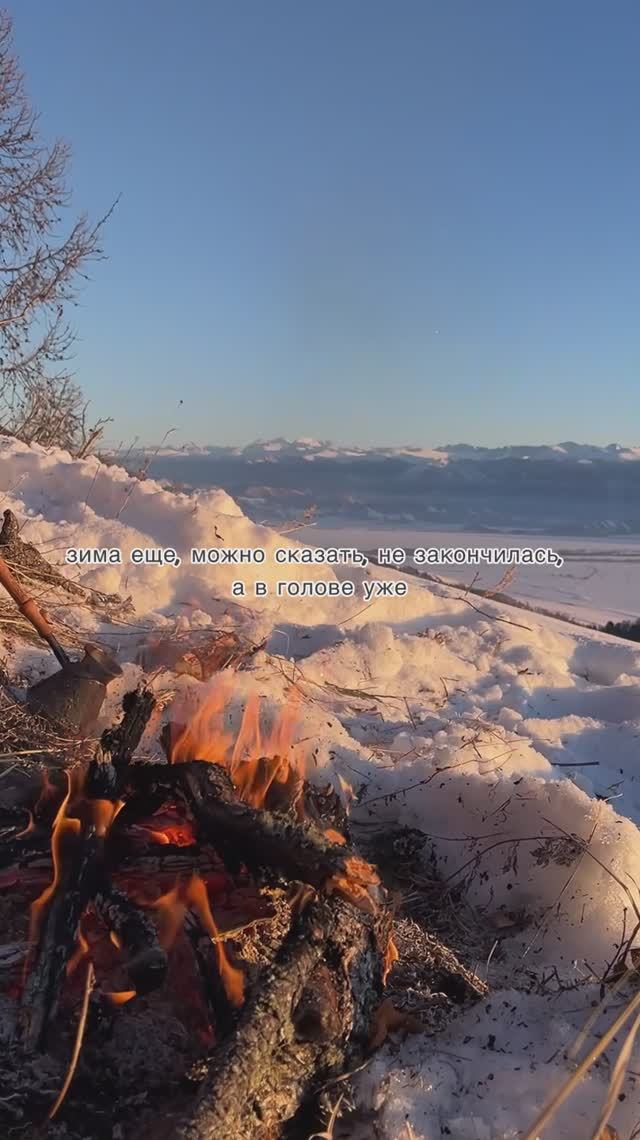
{"type": "Point", "coordinates": [42, 266]}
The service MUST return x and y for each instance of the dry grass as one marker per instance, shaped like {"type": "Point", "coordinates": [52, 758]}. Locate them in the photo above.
{"type": "Point", "coordinates": [23, 734]}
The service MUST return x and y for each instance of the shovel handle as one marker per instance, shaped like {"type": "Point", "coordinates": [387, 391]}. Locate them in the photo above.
{"type": "Point", "coordinates": [28, 606]}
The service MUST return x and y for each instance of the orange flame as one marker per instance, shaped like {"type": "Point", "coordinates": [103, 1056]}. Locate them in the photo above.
{"type": "Point", "coordinates": [80, 952]}
{"type": "Point", "coordinates": [258, 761]}
{"type": "Point", "coordinates": [63, 828]}
{"type": "Point", "coordinates": [357, 884]}
{"type": "Point", "coordinates": [102, 814]}
{"type": "Point", "coordinates": [172, 908]}
{"type": "Point", "coordinates": [232, 978]}
{"type": "Point", "coordinates": [120, 997]}
{"type": "Point", "coordinates": [205, 737]}
{"type": "Point", "coordinates": [391, 956]}
{"type": "Point", "coordinates": [29, 829]}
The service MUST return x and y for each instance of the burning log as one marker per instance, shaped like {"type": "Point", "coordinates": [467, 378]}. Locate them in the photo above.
{"type": "Point", "coordinates": [78, 855]}
{"type": "Point", "coordinates": [244, 835]}
{"type": "Point", "coordinates": [73, 887]}
{"type": "Point", "coordinates": [135, 932]}
{"type": "Point", "coordinates": [310, 1018]}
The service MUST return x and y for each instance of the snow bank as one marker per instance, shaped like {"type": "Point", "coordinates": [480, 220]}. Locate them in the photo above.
{"type": "Point", "coordinates": [514, 748]}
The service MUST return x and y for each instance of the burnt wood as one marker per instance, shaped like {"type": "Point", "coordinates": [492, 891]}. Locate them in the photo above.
{"type": "Point", "coordinates": [107, 770]}
{"type": "Point", "coordinates": [57, 939]}
{"type": "Point", "coordinates": [309, 1018]}
{"type": "Point", "coordinates": [242, 835]}
{"type": "Point", "coordinates": [146, 961]}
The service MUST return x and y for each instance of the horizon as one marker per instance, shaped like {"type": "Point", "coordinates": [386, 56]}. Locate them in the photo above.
{"type": "Point", "coordinates": [373, 217]}
{"type": "Point", "coordinates": [409, 446]}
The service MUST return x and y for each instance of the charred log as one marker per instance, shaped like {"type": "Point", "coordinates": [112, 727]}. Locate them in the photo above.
{"type": "Point", "coordinates": [74, 888]}
{"type": "Point", "coordinates": [309, 1019]}
{"type": "Point", "coordinates": [241, 834]}
{"type": "Point", "coordinates": [146, 963]}
{"type": "Point", "coordinates": [108, 768]}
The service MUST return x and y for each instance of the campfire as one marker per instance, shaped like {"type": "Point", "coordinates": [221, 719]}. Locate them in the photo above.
{"type": "Point", "coordinates": [222, 879]}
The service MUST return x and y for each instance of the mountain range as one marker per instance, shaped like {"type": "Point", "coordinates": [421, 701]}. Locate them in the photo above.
{"type": "Point", "coordinates": [561, 489]}
{"type": "Point", "coordinates": [279, 449]}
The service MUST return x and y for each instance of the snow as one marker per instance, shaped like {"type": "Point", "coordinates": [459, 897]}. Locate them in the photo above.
{"type": "Point", "coordinates": [597, 583]}
{"type": "Point", "coordinates": [496, 733]}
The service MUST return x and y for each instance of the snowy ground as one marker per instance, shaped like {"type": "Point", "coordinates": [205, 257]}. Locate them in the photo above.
{"type": "Point", "coordinates": [502, 737]}
{"type": "Point", "coordinates": [599, 581]}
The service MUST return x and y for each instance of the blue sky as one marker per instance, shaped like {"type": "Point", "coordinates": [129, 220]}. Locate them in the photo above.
{"type": "Point", "coordinates": [411, 221]}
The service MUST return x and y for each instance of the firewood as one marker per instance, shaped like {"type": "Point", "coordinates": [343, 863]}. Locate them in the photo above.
{"type": "Point", "coordinates": [241, 834]}
{"type": "Point", "coordinates": [56, 940]}
{"type": "Point", "coordinates": [78, 874]}
{"type": "Point", "coordinates": [117, 745]}
{"type": "Point", "coordinates": [309, 1018]}
{"type": "Point", "coordinates": [146, 962]}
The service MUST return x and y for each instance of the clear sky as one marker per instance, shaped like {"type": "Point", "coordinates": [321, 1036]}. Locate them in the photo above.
{"type": "Point", "coordinates": [365, 220]}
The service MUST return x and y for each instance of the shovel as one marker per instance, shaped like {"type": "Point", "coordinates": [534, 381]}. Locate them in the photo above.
{"type": "Point", "coordinates": [74, 695]}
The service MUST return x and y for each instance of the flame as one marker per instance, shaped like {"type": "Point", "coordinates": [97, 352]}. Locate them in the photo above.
{"type": "Point", "coordinates": [102, 814]}
{"type": "Point", "coordinates": [232, 978]}
{"type": "Point", "coordinates": [172, 908]}
{"type": "Point", "coordinates": [258, 761]}
{"type": "Point", "coordinates": [120, 997]}
{"type": "Point", "coordinates": [205, 738]}
{"type": "Point", "coordinates": [387, 1019]}
{"type": "Point", "coordinates": [80, 952]}
{"type": "Point", "coordinates": [357, 884]}
{"type": "Point", "coordinates": [391, 956]}
{"type": "Point", "coordinates": [63, 828]}
{"type": "Point", "coordinates": [347, 790]}
{"type": "Point", "coordinates": [29, 829]}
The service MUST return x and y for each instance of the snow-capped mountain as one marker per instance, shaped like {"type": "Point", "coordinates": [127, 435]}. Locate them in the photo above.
{"type": "Point", "coordinates": [566, 488]}
{"type": "Point", "coordinates": [281, 449]}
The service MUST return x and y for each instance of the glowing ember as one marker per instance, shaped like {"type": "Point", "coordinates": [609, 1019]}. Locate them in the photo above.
{"type": "Point", "coordinates": [334, 836]}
